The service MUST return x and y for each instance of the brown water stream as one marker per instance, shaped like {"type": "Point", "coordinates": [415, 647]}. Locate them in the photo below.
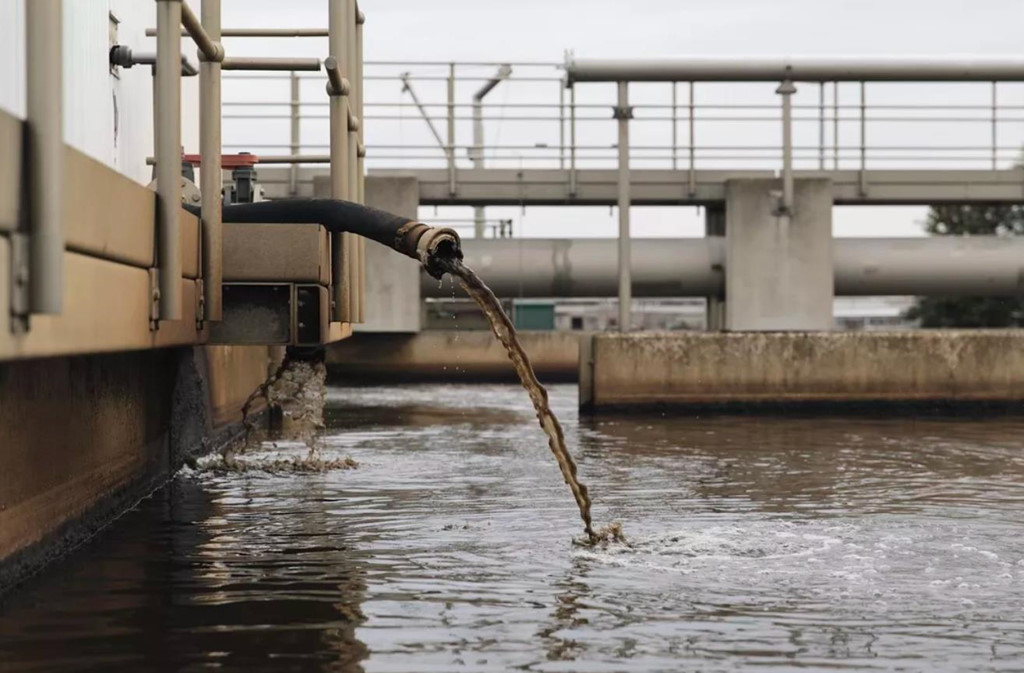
{"type": "Point", "coordinates": [505, 332]}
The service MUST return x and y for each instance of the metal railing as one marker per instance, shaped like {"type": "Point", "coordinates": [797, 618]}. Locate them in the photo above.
{"type": "Point", "coordinates": [414, 122]}
{"type": "Point", "coordinates": [345, 95]}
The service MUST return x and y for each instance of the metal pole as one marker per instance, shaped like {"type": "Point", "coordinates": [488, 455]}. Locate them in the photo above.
{"type": "Point", "coordinates": [835, 125]}
{"type": "Point", "coordinates": [863, 140]}
{"type": "Point", "coordinates": [623, 114]}
{"type": "Point", "coordinates": [561, 126]}
{"type": "Point", "coordinates": [360, 167]}
{"type": "Point", "coordinates": [675, 126]}
{"type": "Point", "coordinates": [339, 162]}
{"type": "Point", "coordinates": [786, 90]}
{"type": "Point", "coordinates": [477, 154]}
{"type": "Point", "coordinates": [210, 169]}
{"type": "Point", "coordinates": [46, 157]}
{"type": "Point", "coordinates": [451, 130]}
{"type": "Point", "coordinates": [296, 131]}
{"type": "Point", "coordinates": [693, 154]}
{"type": "Point", "coordinates": [572, 140]}
{"type": "Point", "coordinates": [353, 109]}
{"type": "Point", "coordinates": [168, 156]}
{"type": "Point", "coordinates": [407, 86]}
{"type": "Point", "coordinates": [994, 127]}
{"type": "Point", "coordinates": [821, 126]}
{"type": "Point", "coordinates": [274, 64]}
{"type": "Point", "coordinates": [478, 161]}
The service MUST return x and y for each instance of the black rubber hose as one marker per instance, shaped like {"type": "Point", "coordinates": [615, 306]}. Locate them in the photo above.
{"type": "Point", "coordinates": [430, 245]}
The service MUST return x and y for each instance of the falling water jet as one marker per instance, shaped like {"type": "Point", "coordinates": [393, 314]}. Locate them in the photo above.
{"type": "Point", "coordinates": [439, 250]}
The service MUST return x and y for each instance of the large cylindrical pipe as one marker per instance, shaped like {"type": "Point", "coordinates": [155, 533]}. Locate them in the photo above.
{"type": "Point", "coordinates": [210, 169]}
{"type": "Point", "coordinates": [46, 156]}
{"type": "Point", "coordinates": [774, 69]}
{"type": "Point", "coordinates": [168, 155]}
{"type": "Point", "coordinates": [941, 265]}
{"type": "Point", "coordinates": [588, 267]}
{"type": "Point", "coordinates": [947, 265]}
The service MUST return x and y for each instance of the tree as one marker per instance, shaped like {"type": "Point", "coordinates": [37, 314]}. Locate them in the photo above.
{"type": "Point", "coordinates": [972, 220]}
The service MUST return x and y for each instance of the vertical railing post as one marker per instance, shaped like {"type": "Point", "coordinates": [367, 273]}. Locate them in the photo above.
{"type": "Point", "coordinates": [210, 167]}
{"type": "Point", "coordinates": [452, 188]}
{"type": "Point", "coordinates": [295, 141]}
{"type": "Point", "coordinates": [995, 101]}
{"type": "Point", "coordinates": [786, 90]}
{"type": "Point", "coordinates": [360, 166]}
{"type": "Point", "coordinates": [821, 126]}
{"type": "Point", "coordinates": [835, 126]}
{"type": "Point", "coordinates": [572, 139]}
{"type": "Point", "coordinates": [44, 106]}
{"type": "Point", "coordinates": [340, 256]}
{"type": "Point", "coordinates": [561, 126]}
{"type": "Point", "coordinates": [168, 156]}
{"type": "Point", "coordinates": [692, 190]}
{"type": "Point", "coordinates": [675, 126]}
{"type": "Point", "coordinates": [863, 140]}
{"type": "Point", "coordinates": [623, 113]}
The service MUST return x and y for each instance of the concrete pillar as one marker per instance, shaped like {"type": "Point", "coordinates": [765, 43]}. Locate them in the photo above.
{"type": "Point", "coordinates": [714, 225]}
{"type": "Point", "coordinates": [778, 269]}
{"type": "Point", "coordinates": [391, 291]}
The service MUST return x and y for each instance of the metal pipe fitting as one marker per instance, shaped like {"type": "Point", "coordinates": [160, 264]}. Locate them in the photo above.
{"type": "Point", "coordinates": [122, 55]}
{"type": "Point", "coordinates": [337, 85]}
{"type": "Point", "coordinates": [210, 48]}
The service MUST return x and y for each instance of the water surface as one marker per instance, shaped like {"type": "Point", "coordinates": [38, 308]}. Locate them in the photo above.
{"type": "Point", "coordinates": [777, 543]}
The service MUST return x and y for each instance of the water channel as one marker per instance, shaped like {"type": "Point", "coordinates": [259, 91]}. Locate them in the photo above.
{"type": "Point", "coordinates": [784, 543]}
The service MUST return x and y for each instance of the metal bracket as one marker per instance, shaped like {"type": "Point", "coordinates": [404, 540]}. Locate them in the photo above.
{"type": "Point", "coordinates": [622, 112]}
{"type": "Point", "coordinates": [154, 299]}
{"type": "Point", "coordinates": [200, 305]}
{"type": "Point", "coordinates": [19, 282]}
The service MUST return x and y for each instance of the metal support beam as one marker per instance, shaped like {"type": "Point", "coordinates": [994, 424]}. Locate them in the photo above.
{"type": "Point", "coordinates": [168, 156]}
{"type": "Point", "coordinates": [45, 157]}
{"type": "Point", "coordinates": [210, 170]}
{"type": "Point", "coordinates": [360, 167]}
{"type": "Point", "coordinates": [340, 254]}
{"type": "Point", "coordinates": [623, 113]}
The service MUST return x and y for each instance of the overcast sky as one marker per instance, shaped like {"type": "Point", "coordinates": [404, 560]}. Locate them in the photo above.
{"type": "Point", "coordinates": [541, 30]}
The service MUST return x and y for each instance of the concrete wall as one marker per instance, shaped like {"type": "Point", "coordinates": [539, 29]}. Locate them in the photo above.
{"type": "Point", "coordinates": [783, 368]}
{"type": "Point", "coordinates": [82, 438]}
{"type": "Point", "coordinates": [450, 356]}
{"type": "Point", "coordinates": [778, 269]}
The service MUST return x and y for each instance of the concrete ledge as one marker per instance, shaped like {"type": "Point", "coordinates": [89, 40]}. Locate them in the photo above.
{"type": "Point", "coordinates": [450, 356]}
{"type": "Point", "coordinates": [748, 370]}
